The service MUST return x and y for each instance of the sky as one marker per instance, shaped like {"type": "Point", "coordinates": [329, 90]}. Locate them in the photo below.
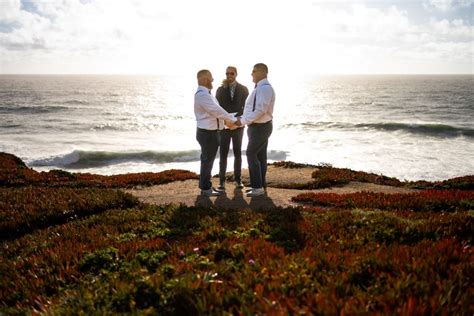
{"type": "Point", "coordinates": [167, 37]}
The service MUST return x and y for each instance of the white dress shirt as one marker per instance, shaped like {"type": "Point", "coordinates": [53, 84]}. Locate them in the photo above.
{"type": "Point", "coordinates": [264, 104]}
{"type": "Point", "coordinates": [209, 114]}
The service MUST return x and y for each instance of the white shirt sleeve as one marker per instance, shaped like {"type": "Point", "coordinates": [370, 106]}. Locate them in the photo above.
{"type": "Point", "coordinates": [212, 107]}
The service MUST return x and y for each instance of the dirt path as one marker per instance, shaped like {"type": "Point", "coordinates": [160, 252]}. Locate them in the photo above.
{"type": "Point", "coordinates": [187, 192]}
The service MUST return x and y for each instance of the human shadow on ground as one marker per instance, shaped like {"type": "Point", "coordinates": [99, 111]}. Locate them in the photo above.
{"type": "Point", "coordinates": [236, 202]}
{"type": "Point", "coordinates": [280, 225]}
{"type": "Point", "coordinates": [232, 208]}
{"type": "Point", "coordinates": [203, 200]}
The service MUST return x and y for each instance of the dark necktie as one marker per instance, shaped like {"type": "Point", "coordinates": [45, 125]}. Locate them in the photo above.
{"type": "Point", "coordinates": [254, 99]}
{"type": "Point", "coordinates": [232, 92]}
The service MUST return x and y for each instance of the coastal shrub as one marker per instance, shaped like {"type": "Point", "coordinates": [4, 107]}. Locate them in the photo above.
{"type": "Point", "coordinates": [429, 200]}
{"type": "Point", "coordinates": [326, 176]}
{"type": "Point", "coordinates": [289, 260]}
{"type": "Point", "coordinates": [13, 170]}
{"type": "Point", "coordinates": [354, 254]}
{"type": "Point", "coordinates": [291, 165]}
{"type": "Point", "coordinates": [63, 175]}
{"type": "Point", "coordinates": [23, 210]}
{"type": "Point", "coordinates": [10, 162]}
{"type": "Point", "coordinates": [151, 259]}
{"type": "Point", "coordinates": [136, 179]}
{"type": "Point", "coordinates": [54, 178]}
{"type": "Point", "coordinates": [460, 183]}
{"type": "Point", "coordinates": [282, 227]}
{"type": "Point", "coordinates": [14, 173]}
{"type": "Point", "coordinates": [103, 259]}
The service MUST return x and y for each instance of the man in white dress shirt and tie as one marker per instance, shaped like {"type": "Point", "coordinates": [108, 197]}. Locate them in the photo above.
{"type": "Point", "coordinates": [258, 115]}
{"type": "Point", "coordinates": [210, 118]}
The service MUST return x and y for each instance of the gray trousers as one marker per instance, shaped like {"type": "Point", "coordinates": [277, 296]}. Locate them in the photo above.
{"type": "Point", "coordinates": [257, 153]}
{"type": "Point", "coordinates": [209, 141]}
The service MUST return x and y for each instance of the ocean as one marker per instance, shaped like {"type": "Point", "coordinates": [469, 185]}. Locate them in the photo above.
{"type": "Point", "coordinates": [413, 127]}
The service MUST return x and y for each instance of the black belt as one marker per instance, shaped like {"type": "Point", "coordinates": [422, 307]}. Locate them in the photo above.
{"type": "Point", "coordinates": [207, 130]}
{"type": "Point", "coordinates": [261, 123]}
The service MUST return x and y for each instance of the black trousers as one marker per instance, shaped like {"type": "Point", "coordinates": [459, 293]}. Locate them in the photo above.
{"type": "Point", "coordinates": [236, 137]}
{"type": "Point", "coordinates": [209, 141]}
{"type": "Point", "coordinates": [257, 153]}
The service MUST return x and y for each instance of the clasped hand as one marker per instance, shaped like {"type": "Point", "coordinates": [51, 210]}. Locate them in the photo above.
{"type": "Point", "coordinates": [232, 125]}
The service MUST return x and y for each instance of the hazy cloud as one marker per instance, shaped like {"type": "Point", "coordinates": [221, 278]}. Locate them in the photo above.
{"type": "Point", "coordinates": [150, 36]}
{"type": "Point", "coordinates": [446, 5]}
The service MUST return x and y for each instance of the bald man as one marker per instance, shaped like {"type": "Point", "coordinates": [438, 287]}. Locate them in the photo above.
{"type": "Point", "coordinates": [210, 118]}
{"type": "Point", "coordinates": [258, 115]}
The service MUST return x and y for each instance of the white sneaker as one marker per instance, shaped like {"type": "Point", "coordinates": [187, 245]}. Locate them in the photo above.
{"type": "Point", "coordinates": [211, 192]}
{"type": "Point", "coordinates": [251, 189]}
{"type": "Point", "coordinates": [256, 192]}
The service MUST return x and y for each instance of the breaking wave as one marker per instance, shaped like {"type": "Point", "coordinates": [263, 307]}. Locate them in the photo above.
{"type": "Point", "coordinates": [437, 130]}
{"type": "Point", "coordinates": [80, 159]}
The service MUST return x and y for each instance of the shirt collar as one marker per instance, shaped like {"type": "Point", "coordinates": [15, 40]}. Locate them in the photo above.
{"type": "Point", "coordinates": [204, 89]}
{"type": "Point", "coordinates": [262, 82]}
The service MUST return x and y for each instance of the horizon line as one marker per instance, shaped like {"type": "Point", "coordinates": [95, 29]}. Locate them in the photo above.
{"type": "Point", "coordinates": [157, 74]}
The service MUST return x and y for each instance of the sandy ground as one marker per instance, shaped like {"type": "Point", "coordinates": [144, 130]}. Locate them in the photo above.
{"type": "Point", "coordinates": [188, 193]}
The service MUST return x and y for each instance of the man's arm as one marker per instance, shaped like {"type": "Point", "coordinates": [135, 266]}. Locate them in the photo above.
{"type": "Point", "coordinates": [214, 109]}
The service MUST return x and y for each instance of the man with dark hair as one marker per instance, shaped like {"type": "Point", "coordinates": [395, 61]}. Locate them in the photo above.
{"type": "Point", "coordinates": [210, 119]}
{"type": "Point", "coordinates": [231, 96]}
{"type": "Point", "coordinates": [258, 115]}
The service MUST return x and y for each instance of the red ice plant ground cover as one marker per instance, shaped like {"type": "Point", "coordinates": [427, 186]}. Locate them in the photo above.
{"type": "Point", "coordinates": [177, 259]}
{"type": "Point", "coordinates": [14, 173]}
{"type": "Point", "coordinates": [326, 176]}
{"type": "Point", "coordinates": [429, 200]}
{"type": "Point", "coordinates": [360, 254]}
{"type": "Point", "coordinates": [26, 209]}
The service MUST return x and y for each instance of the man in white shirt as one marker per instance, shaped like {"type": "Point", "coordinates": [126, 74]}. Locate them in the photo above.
{"type": "Point", "coordinates": [258, 115]}
{"type": "Point", "coordinates": [210, 118]}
